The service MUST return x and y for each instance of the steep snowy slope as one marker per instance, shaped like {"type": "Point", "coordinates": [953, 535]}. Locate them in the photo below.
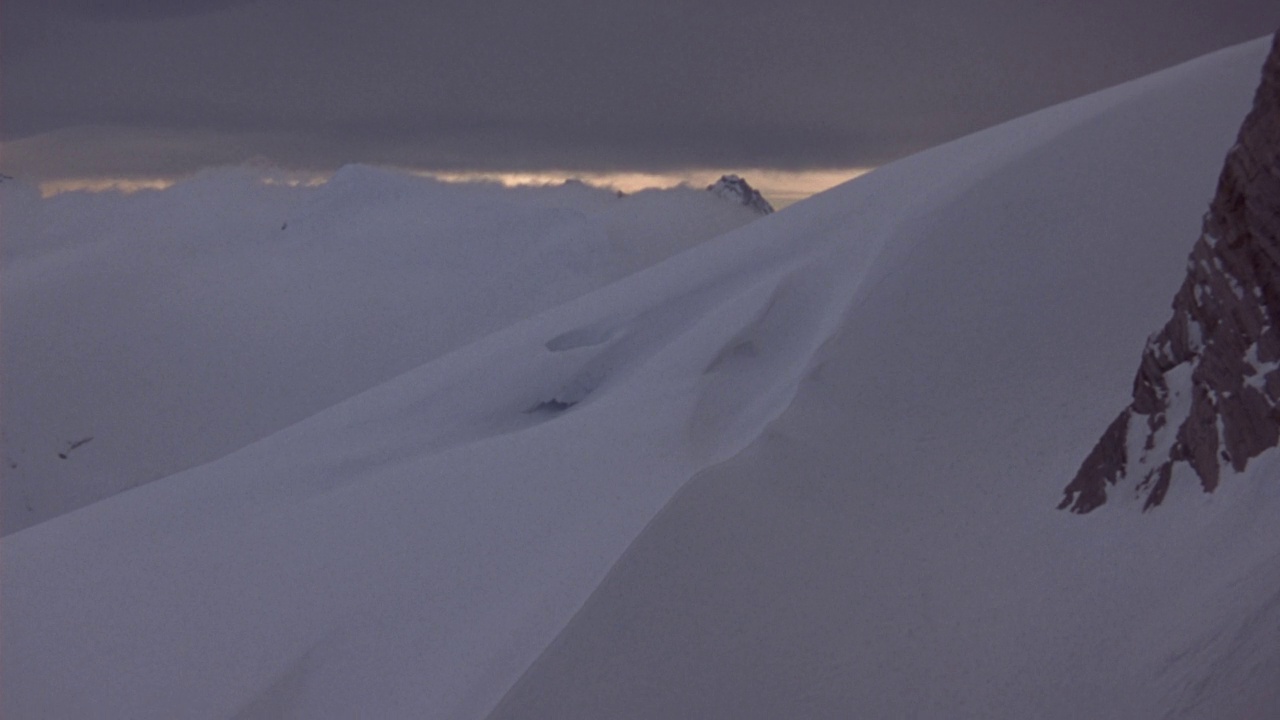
{"type": "Point", "coordinates": [410, 551]}
{"type": "Point", "coordinates": [889, 547]}
{"type": "Point", "coordinates": [905, 368]}
{"type": "Point", "coordinates": [166, 329]}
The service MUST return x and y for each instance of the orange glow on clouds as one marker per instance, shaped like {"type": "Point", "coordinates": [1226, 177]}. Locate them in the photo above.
{"type": "Point", "coordinates": [126, 186]}
{"type": "Point", "coordinates": [780, 187]}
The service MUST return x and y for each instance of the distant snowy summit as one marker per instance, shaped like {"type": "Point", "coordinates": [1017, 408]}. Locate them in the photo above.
{"type": "Point", "coordinates": [735, 189]}
{"type": "Point", "coordinates": [1207, 392]}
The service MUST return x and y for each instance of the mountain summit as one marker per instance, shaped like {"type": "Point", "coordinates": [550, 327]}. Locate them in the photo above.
{"type": "Point", "coordinates": [1207, 391]}
{"type": "Point", "coordinates": [735, 189]}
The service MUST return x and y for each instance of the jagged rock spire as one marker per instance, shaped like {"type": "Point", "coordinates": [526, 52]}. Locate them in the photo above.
{"type": "Point", "coordinates": [1207, 392]}
{"type": "Point", "coordinates": [735, 189]}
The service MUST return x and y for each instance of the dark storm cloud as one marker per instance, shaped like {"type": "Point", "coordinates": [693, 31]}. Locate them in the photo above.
{"type": "Point", "coordinates": [564, 84]}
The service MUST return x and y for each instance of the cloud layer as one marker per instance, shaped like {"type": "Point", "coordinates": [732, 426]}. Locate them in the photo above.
{"type": "Point", "coordinates": [93, 87]}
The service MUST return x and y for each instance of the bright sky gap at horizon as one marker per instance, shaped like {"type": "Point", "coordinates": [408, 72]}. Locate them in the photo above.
{"type": "Point", "coordinates": [780, 187]}
{"type": "Point", "coordinates": [128, 94]}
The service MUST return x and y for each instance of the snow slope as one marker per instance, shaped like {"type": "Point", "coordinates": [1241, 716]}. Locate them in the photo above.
{"type": "Point", "coordinates": [889, 547]}
{"type": "Point", "coordinates": [877, 393]}
{"type": "Point", "coordinates": [174, 327]}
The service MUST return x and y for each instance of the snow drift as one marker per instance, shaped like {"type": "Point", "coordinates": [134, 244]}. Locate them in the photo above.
{"type": "Point", "coordinates": [877, 394]}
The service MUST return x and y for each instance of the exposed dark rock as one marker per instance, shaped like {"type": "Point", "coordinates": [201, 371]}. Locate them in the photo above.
{"type": "Point", "coordinates": [1106, 461]}
{"type": "Point", "coordinates": [735, 189]}
{"type": "Point", "coordinates": [551, 406]}
{"type": "Point", "coordinates": [1211, 376]}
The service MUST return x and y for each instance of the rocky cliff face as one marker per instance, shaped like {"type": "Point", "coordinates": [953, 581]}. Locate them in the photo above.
{"type": "Point", "coordinates": [1207, 392]}
{"type": "Point", "coordinates": [735, 189]}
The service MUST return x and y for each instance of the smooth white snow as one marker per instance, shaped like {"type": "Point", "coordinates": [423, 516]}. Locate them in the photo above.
{"type": "Point", "coordinates": [173, 327]}
{"type": "Point", "coordinates": [889, 547]}
{"type": "Point", "coordinates": [904, 370]}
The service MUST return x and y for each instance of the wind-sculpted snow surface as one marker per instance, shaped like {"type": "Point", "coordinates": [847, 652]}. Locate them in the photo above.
{"type": "Point", "coordinates": [1207, 392]}
{"type": "Point", "coordinates": [887, 548]}
{"type": "Point", "coordinates": [898, 368]}
{"type": "Point", "coordinates": [408, 552]}
{"type": "Point", "coordinates": [174, 327]}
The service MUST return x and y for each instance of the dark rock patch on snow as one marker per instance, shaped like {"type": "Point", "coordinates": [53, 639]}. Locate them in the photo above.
{"type": "Point", "coordinates": [1207, 391]}
{"type": "Point", "coordinates": [550, 406]}
{"type": "Point", "coordinates": [735, 189]}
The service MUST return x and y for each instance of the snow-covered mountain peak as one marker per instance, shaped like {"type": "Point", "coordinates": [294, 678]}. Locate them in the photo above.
{"type": "Point", "coordinates": [735, 189]}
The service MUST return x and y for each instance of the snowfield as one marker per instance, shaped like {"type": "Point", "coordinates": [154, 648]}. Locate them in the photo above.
{"type": "Point", "coordinates": [171, 328]}
{"type": "Point", "coordinates": [807, 468]}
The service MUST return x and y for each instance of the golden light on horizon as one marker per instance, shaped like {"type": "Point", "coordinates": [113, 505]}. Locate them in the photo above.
{"type": "Point", "coordinates": [784, 187]}
{"type": "Point", "coordinates": [624, 181]}
{"type": "Point", "coordinates": [780, 187]}
{"type": "Point", "coordinates": [124, 186]}
{"type": "Point", "coordinates": [309, 180]}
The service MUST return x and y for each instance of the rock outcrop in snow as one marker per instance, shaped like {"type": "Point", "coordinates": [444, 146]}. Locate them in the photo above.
{"type": "Point", "coordinates": [1207, 392]}
{"type": "Point", "coordinates": [735, 189]}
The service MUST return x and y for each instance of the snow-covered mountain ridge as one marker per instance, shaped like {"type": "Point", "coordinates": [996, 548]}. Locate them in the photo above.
{"type": "Point", "coordinates": [805, 472]}
{"type": "Point", "coordinates": [169, 328]}
{"type": "Point", "coordinates": [1207, 391]}
{"type": "Point", "coordinates": [888, 547]}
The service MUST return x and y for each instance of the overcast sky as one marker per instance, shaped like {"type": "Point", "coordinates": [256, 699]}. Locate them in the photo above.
{"type": "Point", "coordinates": [163, 87]}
